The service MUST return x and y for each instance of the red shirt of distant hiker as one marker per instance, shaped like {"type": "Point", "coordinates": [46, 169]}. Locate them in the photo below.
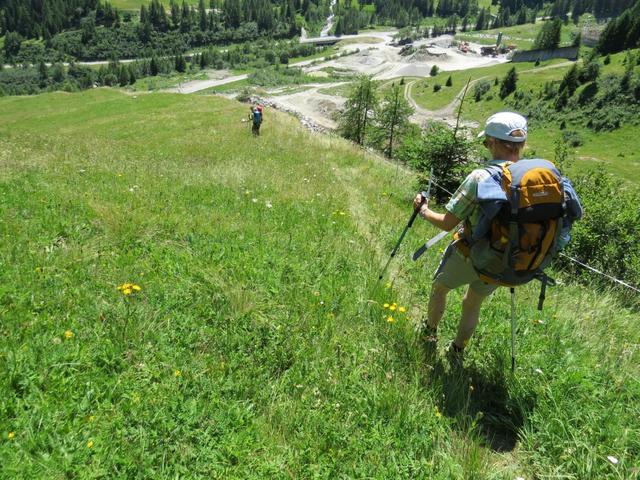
{"type": "Point", "coordinates": [505, 134]}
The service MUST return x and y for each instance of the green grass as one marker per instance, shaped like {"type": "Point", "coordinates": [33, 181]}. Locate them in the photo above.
{"type": "Point", "coordinates": [227, 87]}
{"type": "Point", "coordinates": [523, 36]}
{"type": "Point", "coordinates": [136, 4]}
{"type": "Point", "coordinates": [367, 40]}
{"type": "Point", "coordinates": [258, 346]}
{"type": "Point", "coordinates": [615, 151]}
{"type": "Point", "coordinates": [166, 81]}
{"type": "Point", "coordinates": [340, 90]}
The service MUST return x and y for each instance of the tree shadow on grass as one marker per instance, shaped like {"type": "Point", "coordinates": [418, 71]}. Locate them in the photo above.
{"type": "Point", "coordinates": [480, 400]}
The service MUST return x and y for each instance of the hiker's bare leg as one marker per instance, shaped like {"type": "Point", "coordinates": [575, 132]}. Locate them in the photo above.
{"type": "Point", "coordinates": [437, 304]}
{"type": "Point", "coordinates": [470, 315]}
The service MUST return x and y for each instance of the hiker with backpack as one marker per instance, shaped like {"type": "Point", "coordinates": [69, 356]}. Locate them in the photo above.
{"type": "Point", "coordinates": [515, 215]}
{"type": "Point", "coordinates": [256, 119]}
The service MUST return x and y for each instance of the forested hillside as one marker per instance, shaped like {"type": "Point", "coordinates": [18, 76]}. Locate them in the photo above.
{"type": "Point", "coordinates": [92, 29]}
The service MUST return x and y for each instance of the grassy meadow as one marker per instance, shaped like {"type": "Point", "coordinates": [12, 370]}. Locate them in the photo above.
{"type": "Point", "coordinates": [616, 150]}
{"type": "Point", "coordinates": [522, 36]}
{"type": "Point", "coordinates": [258, 345]}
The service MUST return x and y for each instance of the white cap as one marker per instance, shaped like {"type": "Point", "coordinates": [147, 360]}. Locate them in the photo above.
{"type": "Point", "coordinates": [502, 124]}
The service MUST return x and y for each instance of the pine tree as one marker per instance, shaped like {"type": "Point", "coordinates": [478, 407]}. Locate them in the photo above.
{"type": "Point", "coordinates": [449, 82]}
{"type": "Point", "coordinates": [232, 13]}
{"type": "Point", "coordinates": [43, 73]}
{"type": "Point", "coordinates": [175, 15]}
{"type": "Point", "coordinates": [202, 14]}
{"type": "Point", "coordinates": [132, 74]}
{"type": "Point", "coordinates": [549, 35]}
{"type": "Point", "coordinates": [12, 44]}
{"type": "Point", "coordinates": [154, 68]}
{"type": "Point", "coordinates": [509, 83]}
{"type": "Point", "coordinates": [392, 119]}
{"type": "Point", "coordinates": [180, 64]}
{"type": "Point", "coordinates": [358, 110]}
{"type": "Point", "coordinates": [570, 81]}
{"type": "Point", "coordinates": [481, 22]}
{"type": "Point", "coordinates": [562, 100]}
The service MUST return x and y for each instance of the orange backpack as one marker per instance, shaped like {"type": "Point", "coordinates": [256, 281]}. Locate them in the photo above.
{"type": "Point", "coordinates": [527, 212]}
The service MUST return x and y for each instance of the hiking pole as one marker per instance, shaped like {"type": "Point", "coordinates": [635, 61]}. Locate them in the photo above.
{"type": "Point", "coordinates": [425, 196]}
{"type": "Point", "coordinates": [404, 232]}
{"type": "Point", "coordinates": [513, 329]}
{"type": "Point", "coordinates": [430, 243]}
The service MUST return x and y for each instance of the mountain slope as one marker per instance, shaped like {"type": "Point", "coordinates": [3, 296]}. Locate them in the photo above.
{"type": "Point", "coordinates": [258, 345]}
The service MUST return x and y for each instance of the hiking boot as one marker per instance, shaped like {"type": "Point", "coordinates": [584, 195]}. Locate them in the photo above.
{"type": "Point", "coordinates": [429, 334]}
{"type": "Point", "coordinates": [455, 356]}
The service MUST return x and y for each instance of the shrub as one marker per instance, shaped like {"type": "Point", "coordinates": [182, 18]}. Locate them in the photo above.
{"type": "Point", "coordinates": [588, 93]}
{"type": "Point", "coordinates": [480, 88]}
{"type": "Point", "coordinates": [434, 71]}
{"type": "Point", "coordinates": [509, 83]}
{"type": "Point", "coordinates": [437, 87]}
{"type": "Point", "coordinates": [436, 147]}
{"type": "Point", "coordinates": [607, 236]}
{"type": "Point", "coordinates": [572, 138]}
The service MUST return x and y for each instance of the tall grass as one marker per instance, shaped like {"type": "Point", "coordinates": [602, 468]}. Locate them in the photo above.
{"type": "Point", "coordinates": [259, 345]}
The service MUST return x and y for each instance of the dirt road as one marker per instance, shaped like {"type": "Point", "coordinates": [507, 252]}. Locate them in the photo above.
{"type": "Point", "coordinates": [377, 56]}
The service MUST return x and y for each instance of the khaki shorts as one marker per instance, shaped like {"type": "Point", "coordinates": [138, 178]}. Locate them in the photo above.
{"type": "Point", "coordinates": [456, 270]}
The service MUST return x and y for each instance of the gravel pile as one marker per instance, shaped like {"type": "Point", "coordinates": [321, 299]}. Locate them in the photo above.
{"type": "Point", "coordinates": [305, 121]}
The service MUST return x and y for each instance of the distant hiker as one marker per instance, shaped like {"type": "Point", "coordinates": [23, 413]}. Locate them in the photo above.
{"type": "Point", "coordinates": [501, 242]}
{"type": "Point", "coordinates": [256, 119]}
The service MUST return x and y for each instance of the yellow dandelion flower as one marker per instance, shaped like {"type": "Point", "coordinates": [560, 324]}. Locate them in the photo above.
{"type": "Point", "coordinates": [438, 414]}
{"type": "Point", "coordinates": [390, 319]}
{"type": "Point", "coordinates": [68, 335]}
{"type": "Point", "coordinates": [91, 418]}
{"type": "Point", "coordinates": [402, 309]}
{"type": "Point", "coordinates": [387, 285]}
{"type": "Point", "coordinates": [129, 288]}
{"type": "Point", "coordinates": [177, 373]}
{"type": "Point", "coordinates": [11, 435]}
{"type": "Point", "coordinates": [386, 305]}
{"type": "Point", "coordinates": [393, 307]}
{"type": "Point", "coordinates": [90, 444]}
{"type": "Point", "coordinates": [343, 213]}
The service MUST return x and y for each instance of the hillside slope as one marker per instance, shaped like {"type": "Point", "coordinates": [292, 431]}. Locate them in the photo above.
{"type": "Point", "coordinates": [258, 345]}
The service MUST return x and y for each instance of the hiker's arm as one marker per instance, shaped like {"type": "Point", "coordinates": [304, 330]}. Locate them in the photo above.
{"type": "Point", "coordinates": [444, 221]}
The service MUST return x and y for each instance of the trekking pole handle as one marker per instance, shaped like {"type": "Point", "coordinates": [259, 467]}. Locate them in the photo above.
{"type": "Point", "coordinates": [425, 197]}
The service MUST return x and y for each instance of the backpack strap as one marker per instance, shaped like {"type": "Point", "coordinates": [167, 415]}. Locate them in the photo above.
{"type": "Point", "coordinates": [514, 232]}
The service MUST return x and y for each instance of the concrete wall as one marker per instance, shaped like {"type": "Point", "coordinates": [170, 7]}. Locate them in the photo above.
{"type": "Point", "coordinates": [570, 53]}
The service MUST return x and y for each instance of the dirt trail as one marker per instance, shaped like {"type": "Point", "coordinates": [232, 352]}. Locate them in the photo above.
{"type": "Point", "coordinates": [383, 62]}
{"type": "Point", "coordinates": [311, 104]}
